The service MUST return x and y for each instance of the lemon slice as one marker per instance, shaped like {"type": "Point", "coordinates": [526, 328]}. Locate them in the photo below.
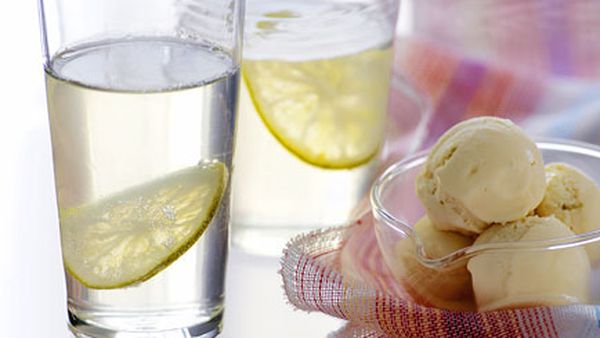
{"type": "Point", "coordinates": [131, 236]}
{"type": "Point", "coordinates": [328, 112]}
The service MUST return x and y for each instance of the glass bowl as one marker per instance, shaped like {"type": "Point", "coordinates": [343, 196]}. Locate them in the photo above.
{"type": "Point", "coordinates": [433, 281]}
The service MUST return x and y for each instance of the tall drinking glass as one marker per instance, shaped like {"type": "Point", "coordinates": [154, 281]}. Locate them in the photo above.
{"type": "Point", "coordinates": [312, 115]}
{"type": "Point", "coordinates": [142, 102]}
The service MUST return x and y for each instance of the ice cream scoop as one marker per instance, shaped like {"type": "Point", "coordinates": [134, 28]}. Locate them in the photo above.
{"type": "Point", "coordinates": [528, 278]}
{"type": "Point", "coordinates": [481, 171]}
{"type": "Point", "coordinates": [573, 198]}
{"type": "Point", "coordinates": [448, 289]}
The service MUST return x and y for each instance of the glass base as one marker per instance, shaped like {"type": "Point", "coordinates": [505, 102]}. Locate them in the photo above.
{"type": "Point", "coordinates": [264, 240]}
{"type": "Point", "coordinates": [82, 329]}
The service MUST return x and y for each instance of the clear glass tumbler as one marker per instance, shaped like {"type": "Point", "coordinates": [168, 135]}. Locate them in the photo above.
{"type": "Point", "coordinates": [142, 103]}
{"type": "Point", "coordinates": [313, 105]}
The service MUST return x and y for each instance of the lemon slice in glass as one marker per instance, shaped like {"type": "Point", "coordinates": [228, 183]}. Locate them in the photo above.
{"type": "Point", "coordinates": [328, 112]}
{"type": "Point", "coordinates": [132, 235]}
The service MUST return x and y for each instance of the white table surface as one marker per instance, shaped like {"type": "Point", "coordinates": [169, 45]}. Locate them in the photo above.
{"type": "Point", "coordinates": [32, 289]}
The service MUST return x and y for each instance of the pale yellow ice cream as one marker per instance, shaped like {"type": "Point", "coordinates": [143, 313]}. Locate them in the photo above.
{"type": "Point", "coordinates": [527, 278]}
{"type": "Point", "coordinates": [573, 198]}
{"type": "Point", "coordinates": [448, 289]}
{"type": "Point", "coordinates": [484, 170]}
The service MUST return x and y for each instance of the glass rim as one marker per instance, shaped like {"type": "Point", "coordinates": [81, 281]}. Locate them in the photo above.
{"type": "Point", "coordinates": [386, 218]}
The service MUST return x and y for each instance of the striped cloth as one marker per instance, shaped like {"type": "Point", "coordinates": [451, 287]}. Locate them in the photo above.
{"type": "Point", "coordinates": [340, 272]}
{"type": "Point", "coordinates": [536, 62]}
{"type": "Point", "coordinates": [459, 88]}
{"type": "Point", "coordinates": [541, 38]}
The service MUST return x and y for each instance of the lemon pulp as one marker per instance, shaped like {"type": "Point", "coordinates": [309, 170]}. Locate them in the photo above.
{"type": "Point", "coordinates": [132, 235]}
{"type": "Point", "coordinates": [328, 112]}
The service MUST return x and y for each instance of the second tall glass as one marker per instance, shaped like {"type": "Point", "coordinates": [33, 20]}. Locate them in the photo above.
{"type": "Point", "coordinates": [312, 115]}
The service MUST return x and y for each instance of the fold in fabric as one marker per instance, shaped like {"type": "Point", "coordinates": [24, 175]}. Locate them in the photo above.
{"type": "Point", "coordinates": [340, 272]}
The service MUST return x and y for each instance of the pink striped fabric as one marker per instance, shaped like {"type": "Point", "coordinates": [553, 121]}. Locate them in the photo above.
{"type": "Point", "coordinates": [540, 38]}
{"type": "Point", "coordinates": [340, 272]}
{"type": "Point", "coordinates": [461, 88]}
{"type": "Point", "coordinates": [534, 61]}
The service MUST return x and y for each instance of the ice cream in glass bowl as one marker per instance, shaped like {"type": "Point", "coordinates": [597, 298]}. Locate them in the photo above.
{"type": "Point", "coordinates": [488, 219]}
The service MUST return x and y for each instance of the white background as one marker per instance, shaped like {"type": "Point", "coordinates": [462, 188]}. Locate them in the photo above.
{"type": "Point", "coordinates": [32, 295]}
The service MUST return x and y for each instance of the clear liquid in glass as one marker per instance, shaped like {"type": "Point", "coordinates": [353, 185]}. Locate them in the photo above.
{"type": "Point", "coordinates": [276, 194]}
{"type": "Point", "coordinates": [126, 112]}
